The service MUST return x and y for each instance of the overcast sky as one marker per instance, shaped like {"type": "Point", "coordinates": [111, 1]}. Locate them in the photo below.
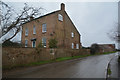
{"type": "Point", "coordinates": [92, 19]}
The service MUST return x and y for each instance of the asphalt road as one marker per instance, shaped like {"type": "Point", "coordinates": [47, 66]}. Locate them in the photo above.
{"type": "Point", "coordinates": [89, 67]}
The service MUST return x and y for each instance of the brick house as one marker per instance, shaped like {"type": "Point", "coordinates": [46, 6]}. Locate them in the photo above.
{"type": "Point", "coordinates": [106, 47]}
{"type": "Point", "coordinates": [56, 25]}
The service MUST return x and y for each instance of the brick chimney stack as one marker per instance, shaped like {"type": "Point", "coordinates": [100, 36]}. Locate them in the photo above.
{"type": "Point", "coordinates": [31, 18]}
{"type": "Point", "coordinates": [63, 6]}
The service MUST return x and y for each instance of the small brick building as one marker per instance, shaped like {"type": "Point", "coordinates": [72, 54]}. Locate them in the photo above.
{"type": "Point", "coordinates": [106, 47]}
{"type": "Point", "coordinates": [56, 25]}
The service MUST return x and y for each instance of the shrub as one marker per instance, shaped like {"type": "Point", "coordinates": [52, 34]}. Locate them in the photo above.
{"type": "Point", "coordinates": [11, 44]}
{"type": "Point", "coordinates": [85, 47]}
{"type": "Point", "coordinates": [52, 43]}
{"type": "Point", "coordinates": [94, 48]}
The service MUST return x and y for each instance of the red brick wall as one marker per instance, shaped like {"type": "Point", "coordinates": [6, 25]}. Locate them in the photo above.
{"type": "Point", "coordinates": [69, 27]}
{"type": "Point", "coordinates": [17, 56]}
{"type": "Point", "coordinates": [51, 23]}
{"type": "Point", "coordinates": [106, 48]}
{"type": "Point", "coordinates": [61, 30]}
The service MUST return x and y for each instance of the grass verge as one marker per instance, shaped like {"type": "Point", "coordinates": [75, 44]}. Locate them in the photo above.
{"type": "Point", "coordinates": [109, 71]}
{"type": "Point", "coordinates": [68, 58]}
{"type": "Point", "coordinates": [105, 53]}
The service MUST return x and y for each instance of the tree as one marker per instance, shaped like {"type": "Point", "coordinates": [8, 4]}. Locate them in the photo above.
{"type": "Point", "coordinates": [52, 43]}
{"type": "Point", "coordinates": [12, 21]}
{"type": "Point", "coordinates": [114, 35]}
{"type": "Point", "coordinates": [94, 48]}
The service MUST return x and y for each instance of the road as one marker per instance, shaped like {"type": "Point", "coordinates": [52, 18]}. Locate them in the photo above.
{"type": "Point", "coordinates": [89, 67]}
{"type": "Point", "coordinates": [114, 67]}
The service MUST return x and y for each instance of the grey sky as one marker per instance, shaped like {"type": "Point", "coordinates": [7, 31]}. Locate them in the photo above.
{"type": "Point", "coordinates": [92, 19]}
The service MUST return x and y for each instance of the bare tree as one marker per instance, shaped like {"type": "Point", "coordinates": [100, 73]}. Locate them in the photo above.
{"type": "Point", "coordinates": [114, 35]}
{"type": "Point", "coordinates": [11, 21]}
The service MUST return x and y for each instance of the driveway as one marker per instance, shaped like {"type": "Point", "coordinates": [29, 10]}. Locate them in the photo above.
{"type": "Point", "coordinates": [89, 67]}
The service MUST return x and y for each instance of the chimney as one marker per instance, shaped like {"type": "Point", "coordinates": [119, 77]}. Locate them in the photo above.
{"type": "Point", "coordinates": [63, 6]}
{"type": "Point", "coordinates": [31, 18]}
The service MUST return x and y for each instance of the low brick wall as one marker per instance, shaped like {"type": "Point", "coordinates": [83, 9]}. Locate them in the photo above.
{"type": "Point", "coordinates": [18, 56]}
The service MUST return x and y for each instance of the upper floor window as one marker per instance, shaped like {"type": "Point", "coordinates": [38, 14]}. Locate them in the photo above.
{"type": "Point", "coordinates": [26, 43]}
{"type": "Point", "coordinates": [44, 42]}
{"type": "Point", "coordinates": [44, 27]}
{"type": "Point", "coordinates": [72, 34]}
{"type": "Point", "coordinates": [77, 46]}
{"type": "Point", "coordinates": [72, 46]}
{"type": "Point", "coordinates": [60, 17]}
{"type": "Point", "coordinates": [26, 31]}
{"type": "Point", "coordinates": [34, 30]}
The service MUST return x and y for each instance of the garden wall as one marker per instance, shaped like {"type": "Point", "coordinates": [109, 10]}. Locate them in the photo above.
{"type": "Point", "coordinates": [18, 56]}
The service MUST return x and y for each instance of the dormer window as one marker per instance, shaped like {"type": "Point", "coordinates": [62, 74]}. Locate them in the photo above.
{"type": "Point", "coordinates": [72, 34]}
{"type": "Point", "coordinates": [60, 17]}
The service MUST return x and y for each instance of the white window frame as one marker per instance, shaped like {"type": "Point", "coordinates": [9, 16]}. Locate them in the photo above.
{"type": "Point", "coordinates": [26, 45]}
{"type": "Point", "coordinates": [26, 31]}
{"type": "Point", "coordinates": [34, 30]}
{"type": "Point", "coordinates": [77, 46]}
{"type": "Point", "coordinates": [43, 42]}
{"type": "Point", "coordinates": [32, 43]}
{"type": "Point", "coordinates": [44, 28]}
{"type": "Point", "coordinates": [72, 34]}
{"type": "Point", "coordinates": [72, 46]}
{"type": "Point", "coordinates": [60, 17]}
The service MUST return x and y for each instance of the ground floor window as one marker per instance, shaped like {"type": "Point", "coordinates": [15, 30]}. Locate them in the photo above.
{"type": "Point", "coordinates": [44, 42]}
{"type": "Point", "coordinates": [77, 46]}
{"type": "Point", "coordinates": [33, 43]}
{"type": "Point", "coordinates": [72, 46]}
{"type": "Point", "coordinates": [26, 43]}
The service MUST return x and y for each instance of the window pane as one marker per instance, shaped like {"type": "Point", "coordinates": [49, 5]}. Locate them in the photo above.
{"type": "Point", "coordinates": [26, 43]}
{"type": "Point", "coordinates": [77, 46]}
{"type": "Point", "coordinates": [72, 34]}
{"type": "Point", "coordinates": [44, 42]}
{"type": "Point", "coordinates": [26, 31]}
{"type": "Point", "coordinates": [72, 46]}
{"type": "Point", "coordinates": [60, 17]}
{"type": "Point", "coordinates": [44, 27]}
{"type": "Point", "coordinates": [34, 30]}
